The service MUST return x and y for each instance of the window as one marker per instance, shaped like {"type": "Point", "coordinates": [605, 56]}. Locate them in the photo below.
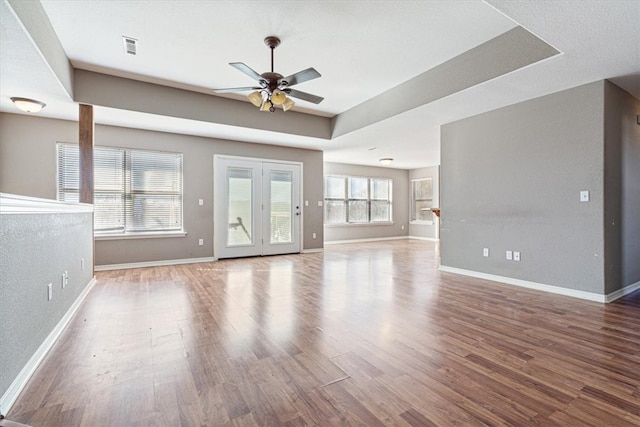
{"type": "Point", "coordinates": [357, 200]}
{"type": "Point", "coordinates": [421, 200]}
{"type": "Point", "coordinates": [134, 190]}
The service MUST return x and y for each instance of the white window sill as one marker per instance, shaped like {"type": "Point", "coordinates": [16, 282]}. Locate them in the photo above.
{"type": "Point", "coordinates": [359, 224]}
{"type": "Point", "coordinates": [421, 222]}
{"type": "Point", "coordinates": [148, 235]}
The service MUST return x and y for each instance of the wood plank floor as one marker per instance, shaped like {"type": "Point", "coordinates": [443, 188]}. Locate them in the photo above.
{"type": "Point", "coordinates": [362, 334]}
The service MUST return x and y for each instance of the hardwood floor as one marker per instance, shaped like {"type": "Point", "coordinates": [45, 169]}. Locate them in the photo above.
{"type": "Point", "coordinates": [362, 334]}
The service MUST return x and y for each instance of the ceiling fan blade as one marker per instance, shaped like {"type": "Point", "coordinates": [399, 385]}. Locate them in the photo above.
{"type": "Point", "coordinates": [246, 69]}
{"type": "Point", "coordinates": [300, 76]}
{"type": "Point", "coordinates": [236, 89]}
{"type": "Point", "coordinates": [304, 96]}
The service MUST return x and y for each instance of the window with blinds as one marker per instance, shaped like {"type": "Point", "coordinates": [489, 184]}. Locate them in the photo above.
{"type": "Point", "coordinates": [354, 200]}
{"type": "Point", "coordinates": [134, 190]}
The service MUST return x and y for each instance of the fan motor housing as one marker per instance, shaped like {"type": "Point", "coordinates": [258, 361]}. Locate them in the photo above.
{"type": "Point", "coordinates": [272, 80]}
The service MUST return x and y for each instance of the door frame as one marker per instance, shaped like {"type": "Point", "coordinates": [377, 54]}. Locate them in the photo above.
{"type": "Point", "coordinates": [218, 208]}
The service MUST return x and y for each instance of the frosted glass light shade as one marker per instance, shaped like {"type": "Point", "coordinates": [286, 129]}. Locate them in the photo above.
{"type": "Point", "coordinates": [278, 97]}
{"type": "Point", "coordinates": [386, 161]}
{"type": "Point", "coordinates": [255, 98]}
{"type": "Point", "coordinates": [266, 106]}
{"type": "Point", "coordinates": [287, 104]}
{"type": "Point", "coordinates": [28, 105]}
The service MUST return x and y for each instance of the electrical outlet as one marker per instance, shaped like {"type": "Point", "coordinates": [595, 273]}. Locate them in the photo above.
{"type": "Point", "coordinates": [402, 227]}
{"type": "Point", "coordinates": [64, 280]}
{"type": "Point", "coordinates": [200, 202]}
{"type": "Point", "coordinates": [320, 203]}
{"type": "Point", "coordinates": [49, 291]}
{"type": "Point", "coordinates": [200, 242]}
{"type": "Point", "coordinates": [81, 263]}
{"type": "Point", "coordinates": [516, 256]}
{"type": "Point", "coordinates": [306, 203]}
{"type": "Point", "coordinates": [485, 252]}
{"type": "Point", "coordinates": [313, 235]}
{"type": "Point", "coordinates": [509, 255]}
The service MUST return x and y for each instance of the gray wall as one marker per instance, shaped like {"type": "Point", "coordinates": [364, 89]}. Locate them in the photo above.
{"type": "Point", "coordinates": [36, 249]}
{"type": "Point", "coordinates": [400, 204]}
{"type": "Point", "coordinates": [510, 180]}
{"type": "Point", "coordinates": [622, 189]}
{"type": "Point", "coordinates": [426, 230]}
{"type": "Point", "coordinates": [28, 166]}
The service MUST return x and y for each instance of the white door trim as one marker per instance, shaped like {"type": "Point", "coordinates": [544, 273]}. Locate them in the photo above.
{"type": "Point", "coordinates": [218, 208]}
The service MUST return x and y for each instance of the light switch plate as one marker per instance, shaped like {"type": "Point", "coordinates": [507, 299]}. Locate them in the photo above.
{"type": "Point", "coordinates": [584, 196]}
{"type": "Point", "coordinates": [516, 256]}
{"type": "Point", "coordinates": [200, 202]}
{"type": "Point", "coordinates": [485, 252]}
{"type": "Point", "coordinates": [319, 202]}
{"type": "Point", "coordinates": [509, 255]}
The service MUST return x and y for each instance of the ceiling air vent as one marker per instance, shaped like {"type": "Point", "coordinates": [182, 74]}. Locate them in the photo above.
{"type": "Point", "coordinates": [129, 45]}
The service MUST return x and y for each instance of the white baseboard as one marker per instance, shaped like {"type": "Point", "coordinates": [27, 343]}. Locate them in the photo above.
{"type": "Point", "coordinates": [428, 239]}
{"type": "Point", "coordinates": [622, 292]}
{"type": "Point", "coordinates": [14, 390]}
{"type": "Point", "coordinates": [374, 239]}
{"type": "Point", "coordinates": [312, 251]}
{"type": "Point", "coordinates": [590, 296]}
{"type": "Point", "coordinates": [161, 263]}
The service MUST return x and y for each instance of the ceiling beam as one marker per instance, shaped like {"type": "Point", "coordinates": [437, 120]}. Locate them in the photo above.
{"type": "Point", "coordinates": [132, 95]}
{"type": "Point", "coordinates": [508, 52]}
{"type": "Point", "coordinates": [38, 28]}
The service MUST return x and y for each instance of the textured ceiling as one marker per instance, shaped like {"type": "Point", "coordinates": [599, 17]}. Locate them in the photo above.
{"type": "Point", "coordinates": [363, 50]}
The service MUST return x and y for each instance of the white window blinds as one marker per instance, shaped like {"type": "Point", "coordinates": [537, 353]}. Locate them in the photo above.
{"type": "Point", "coordinates": [134, 190]}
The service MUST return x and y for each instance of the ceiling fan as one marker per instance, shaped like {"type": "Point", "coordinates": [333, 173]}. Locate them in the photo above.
{"type": "Point", "coordinates": [273, 88]}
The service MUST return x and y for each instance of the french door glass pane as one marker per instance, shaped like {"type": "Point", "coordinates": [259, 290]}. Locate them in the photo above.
{"type": "Point", "coordinates": [240, 204]}
{"type": "Point", "coordinates": [281, 200]}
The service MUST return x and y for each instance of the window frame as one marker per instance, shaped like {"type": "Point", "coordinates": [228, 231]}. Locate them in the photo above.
{"type": "Point", "coordinates": [348, 199]}
{"type": "Point", "coordinates": [413, 218]}
{"type": "Point", "coordinates": [127, 192]}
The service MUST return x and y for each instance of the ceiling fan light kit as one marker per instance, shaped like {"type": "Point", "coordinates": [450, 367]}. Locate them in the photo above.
{"type": "Point", "coordinates": [275, 89]}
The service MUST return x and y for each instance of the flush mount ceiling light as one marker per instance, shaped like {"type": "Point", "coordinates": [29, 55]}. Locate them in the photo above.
{"type": "Point", "coordinates": [275, 89]}
{"type": "Point", "coordinates": [386, 160]}
{"type": "Point", "coordinates": [28, 105]}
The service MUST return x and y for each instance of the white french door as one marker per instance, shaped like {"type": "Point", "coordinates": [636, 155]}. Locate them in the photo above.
{"type": "Point", "coordinates": [256, 208]}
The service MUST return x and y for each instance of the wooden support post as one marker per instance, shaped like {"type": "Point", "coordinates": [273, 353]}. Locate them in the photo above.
{"type": "Point", "coordinates": [85, 141]}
